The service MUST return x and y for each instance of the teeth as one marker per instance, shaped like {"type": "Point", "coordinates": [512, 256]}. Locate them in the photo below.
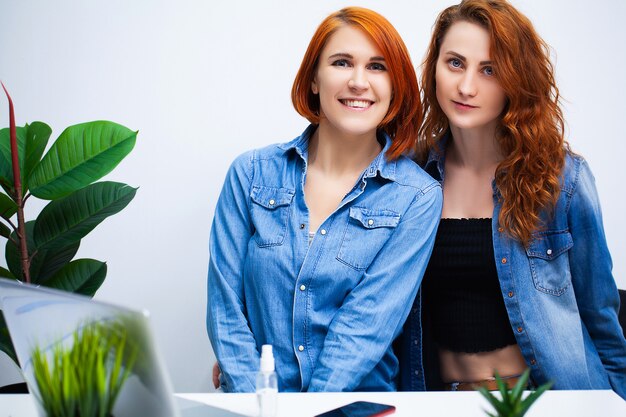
{"type": "Point", "coordinates": [361, 104]}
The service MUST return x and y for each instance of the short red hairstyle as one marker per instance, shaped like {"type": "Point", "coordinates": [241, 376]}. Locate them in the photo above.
{"type": "Point", "coordinates": [404, 116]}
{"type": "Point", "coordinates": [530, 132]}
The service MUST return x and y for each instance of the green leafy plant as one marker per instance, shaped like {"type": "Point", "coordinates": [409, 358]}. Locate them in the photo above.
{"type": "Point", "coordinates": [85, 379]}
{"type": "Point", "coordinates": [41, 251]}
{"type": "Point", "coordinates": [512, 404]}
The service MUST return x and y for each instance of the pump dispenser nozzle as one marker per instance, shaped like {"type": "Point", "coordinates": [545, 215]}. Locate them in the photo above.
{"type": "Point", "coordinates": [267, 359]}
{"type": "Point", "coordinates": [267, 383]}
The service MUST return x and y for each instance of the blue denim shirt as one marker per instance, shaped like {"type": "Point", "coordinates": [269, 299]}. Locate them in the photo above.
{"type": "Point", "coordinates": [332, 308]}
{"type": "Point", "coordinates": [559, 293]}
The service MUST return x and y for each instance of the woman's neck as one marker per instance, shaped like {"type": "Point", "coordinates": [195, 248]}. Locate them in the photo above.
{"type": "Point", "coordinates": [336, 154]}
{"type": "Point", "coordinates": [475, 149]}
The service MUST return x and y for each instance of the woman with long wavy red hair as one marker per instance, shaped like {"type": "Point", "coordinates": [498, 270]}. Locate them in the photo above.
{"type": "Point", "coordinates": [520, 275]}
{"type": "Point", "coordinates": [318, 245]}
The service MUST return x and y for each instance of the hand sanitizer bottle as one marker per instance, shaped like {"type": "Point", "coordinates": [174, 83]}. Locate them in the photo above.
{"type": "Point", "coordinates": [267, 384]}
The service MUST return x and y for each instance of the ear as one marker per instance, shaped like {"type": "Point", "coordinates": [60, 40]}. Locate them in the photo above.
{"type": "Point", "coordinates": [314, 87]}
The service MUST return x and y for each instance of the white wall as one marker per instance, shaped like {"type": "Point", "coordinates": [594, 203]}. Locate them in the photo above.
{"type": "Point", "coordinates": [203, 81]}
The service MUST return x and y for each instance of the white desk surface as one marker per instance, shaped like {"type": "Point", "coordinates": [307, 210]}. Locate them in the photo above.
{"type": "Point", "coordinates": [414, 404]}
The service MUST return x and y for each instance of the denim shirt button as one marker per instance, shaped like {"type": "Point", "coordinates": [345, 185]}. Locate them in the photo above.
{"type": "Point", "coordinates": [415, 342]}
{"type": "Point", "coordinates": [302, 226]}
{"type": "Point", "coordinates": [549, 252]}
{"type": "Point", "coordinates": [300, 348]}
{"type": "Point", "coordinates": [302, 287]}
{"type": "Point", "coordinates": [323, 231]}
{"type": "Point", "coordinates": [272, 202]}
{"type": "Point", "coordinates": [520, 329]}
{"type": "Point", "coordinates": [533, 361]}
{"type": "Point", "coordinates": [510, 294]}
{"type": "Point", "coordinates": [370, 222]}
{"type": "Point", "coordinates": [500, 229]}
{"type": "Point", "coordinates": [503, 260]}
{"type": "Point", "coordinates": [416, 372]}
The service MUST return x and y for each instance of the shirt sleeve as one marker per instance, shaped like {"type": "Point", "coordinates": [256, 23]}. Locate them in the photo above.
{"type": "Point", "coordinates": [373, 313]}
{"type": "Point", "coordinates": [227, 325]}
{"type": "Point", "coordinates": [594, 286]}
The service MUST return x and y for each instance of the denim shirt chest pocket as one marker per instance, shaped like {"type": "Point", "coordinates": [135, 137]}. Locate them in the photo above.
{"type": "Point", "coordinates": [366, 232]}
{"type": "Point", "coordinates": [270, 214]}
{"type": "Point", "coordinates": [549, 261]}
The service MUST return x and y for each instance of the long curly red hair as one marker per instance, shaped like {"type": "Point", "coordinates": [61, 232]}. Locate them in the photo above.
{"type": "Point", "coordinates": [531, 128]}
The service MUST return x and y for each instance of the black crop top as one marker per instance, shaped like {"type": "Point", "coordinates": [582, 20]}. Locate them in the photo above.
{"type": "Point", "coordinates": [461, 292]}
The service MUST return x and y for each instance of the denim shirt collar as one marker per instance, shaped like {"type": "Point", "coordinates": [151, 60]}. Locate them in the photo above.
{"type": "Point", "coordinates": [380, 164]}
{"type": "Point", "coordinates": [436, 158]}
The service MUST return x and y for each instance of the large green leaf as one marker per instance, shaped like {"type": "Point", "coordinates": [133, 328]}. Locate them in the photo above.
{"type": "Point", "coordinates": [65, 221]}
{"type": "Point", "coordinates": [5, 340]}
{"type": "Point", "coordinates": [44, 263]}
{"type": "Point", "coordinates": [12, 253]}
{"type": "Point", "coordinates": [47, 262]}
{"type": "Point", "coordinates": [82, 154]}
{"type": "Point", "coordinates": [31, 142]}
{"type": "Point", "coordinates": [5, 273]}
{"type": "Point", "coordinates": [4, 230]}
{"type": "Point", "coordinates": [7, 209]}
{"type": "Point", "coordinates": [83, 276]}
{"type": "Point", "coordinates": [37, 135]}
{"type": "Point", "coordinates": [7, 206]}
{"type": "Point", "coordinates": [6, 164]}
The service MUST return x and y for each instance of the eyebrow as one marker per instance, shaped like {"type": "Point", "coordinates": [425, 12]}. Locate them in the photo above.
{"type": "Point", "coordinates": [349, 56]}
{"type": "Point", "coordinates": [462, 58]}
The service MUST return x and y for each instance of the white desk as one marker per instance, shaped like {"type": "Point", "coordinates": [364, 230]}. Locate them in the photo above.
{"type": "Point", "coordinates": [413, 404]}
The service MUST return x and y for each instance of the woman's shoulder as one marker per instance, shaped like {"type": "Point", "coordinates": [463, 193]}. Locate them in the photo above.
{"type": "Point", "coordinates": [243, 164]}
{"type": "Point", "coordinates": [575, 166]}
{"type": "Point", "coordinates": [573, 161]}
{"type": "Point", "coordinates": [268, 152]}
{"type": "Point", "coordinates": [409, 173]}
{"type": "Point", "coordinates": [281, 149]}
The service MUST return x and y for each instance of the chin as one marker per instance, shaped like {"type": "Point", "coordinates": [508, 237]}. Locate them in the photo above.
{"type": "Point", "coordinates": [355, 127]}
{"type": "Point", "coordinates": [465, 124]}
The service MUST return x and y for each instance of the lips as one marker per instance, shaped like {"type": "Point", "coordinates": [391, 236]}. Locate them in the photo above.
{"type": "Point", "coordinates": [464, 105]}
{"type": "Point", "coordinates": [356, 104]}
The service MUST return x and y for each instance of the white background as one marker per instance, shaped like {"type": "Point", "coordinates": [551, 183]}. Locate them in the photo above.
{"type": "Point", "coordinates": [203, 81]}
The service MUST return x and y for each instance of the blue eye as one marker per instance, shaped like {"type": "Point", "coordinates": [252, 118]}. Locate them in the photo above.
{"type": "Point", "coordinates": [341, 63]}
{"type": "Point", "coordinates": [455, 63]}
{"type": "Point", "coordinates": [377, 66]}
{"type": "Point", "coordinates": [488, 71]}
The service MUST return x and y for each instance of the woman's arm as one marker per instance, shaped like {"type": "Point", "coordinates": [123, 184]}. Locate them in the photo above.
{"type": "Point", "coordinates": [592, 279]}
{"type": "Point", "coordinates": [373, 313]}
{"type": "Point", "coordinates": [227, 324]}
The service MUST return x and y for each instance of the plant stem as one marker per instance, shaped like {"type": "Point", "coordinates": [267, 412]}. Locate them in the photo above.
{"type": "Point", "coordinates": [17, 181]}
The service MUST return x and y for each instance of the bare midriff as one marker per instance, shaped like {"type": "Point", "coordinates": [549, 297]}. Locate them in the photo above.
{"type": "Point", "coordinates": [471, 367]}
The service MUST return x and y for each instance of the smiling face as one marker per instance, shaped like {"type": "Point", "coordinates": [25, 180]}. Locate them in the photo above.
{"type": "Point", "coordinates": [353, 84]}
{"type": "Point", "coordinates": [467, 90]}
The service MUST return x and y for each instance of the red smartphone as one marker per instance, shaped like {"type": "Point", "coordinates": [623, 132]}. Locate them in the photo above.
{"type": "Point", "coordinates": [360, 409]}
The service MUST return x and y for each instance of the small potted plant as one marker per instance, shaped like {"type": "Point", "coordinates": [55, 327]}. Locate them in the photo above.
{"type": "Point", "coordinates": [512, 404]}
{"type": "Point", "coordinates": [84, 378]}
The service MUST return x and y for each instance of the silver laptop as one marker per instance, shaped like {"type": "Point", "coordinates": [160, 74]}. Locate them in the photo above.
{"type": "Point", "coordinates": [43, 317]}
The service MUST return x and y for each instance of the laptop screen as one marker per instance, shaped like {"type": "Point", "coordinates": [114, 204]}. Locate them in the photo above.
{"type": "Point", "coordinates": [45, 319]}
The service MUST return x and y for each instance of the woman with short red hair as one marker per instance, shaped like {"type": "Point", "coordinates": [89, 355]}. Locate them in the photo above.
{"type": "Point", "coordinates": [318, 245]}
